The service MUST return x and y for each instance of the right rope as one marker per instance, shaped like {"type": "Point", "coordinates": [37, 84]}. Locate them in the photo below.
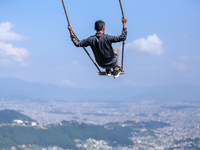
{"type": "Point", "coordinates": [123, 43]}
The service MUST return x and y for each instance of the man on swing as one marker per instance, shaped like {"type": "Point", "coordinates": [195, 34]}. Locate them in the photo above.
{"type": "Point", "coordinates": [101, 44]}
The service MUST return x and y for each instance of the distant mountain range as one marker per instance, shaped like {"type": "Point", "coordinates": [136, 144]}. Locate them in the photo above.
{"type": "Point", "coordinates": [11, 88]}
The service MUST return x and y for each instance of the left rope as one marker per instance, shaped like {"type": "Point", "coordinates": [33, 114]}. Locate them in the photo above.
{"type": "Point", "coordinates": [78, 38]}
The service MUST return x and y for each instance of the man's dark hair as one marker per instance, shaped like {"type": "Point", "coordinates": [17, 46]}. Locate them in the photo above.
{"type": "Point", "coordinates": [99, 25]}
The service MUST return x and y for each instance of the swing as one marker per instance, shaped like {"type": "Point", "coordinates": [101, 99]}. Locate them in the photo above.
{"type": "Point", "coordinates": [123, 43]}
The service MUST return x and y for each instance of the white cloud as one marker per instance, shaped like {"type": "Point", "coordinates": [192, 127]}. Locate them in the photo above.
{"type": "Point", "coordinates": [67, 82]}
{"type": "Point", "coordinates": [184, 57]}
{"type": "Point", "coordinates": [6, 35]}
{"type": "Point", "coordinates": [151, 45]}
{"type": "Point", "coordinates": [179, 66]}
{"type": "Point", "coordinates": [14, 53]}
{"type": "Point", "coordinates": [8, 53]}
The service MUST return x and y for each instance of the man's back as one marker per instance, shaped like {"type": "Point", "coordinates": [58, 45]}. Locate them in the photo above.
{"type": "Point", "coordinates": [101, 46]}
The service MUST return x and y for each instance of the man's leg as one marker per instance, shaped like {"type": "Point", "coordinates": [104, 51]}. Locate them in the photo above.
{"type": "Point", "coordinates": [116, 51]}
{"type": "Point", "coordinates": [116, 68]}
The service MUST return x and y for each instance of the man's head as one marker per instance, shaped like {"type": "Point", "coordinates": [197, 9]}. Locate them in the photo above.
{"type": "Point", "coordinates": [99, 25]}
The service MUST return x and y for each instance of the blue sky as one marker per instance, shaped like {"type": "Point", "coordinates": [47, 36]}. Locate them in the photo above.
{"type": "Point", "coordinates": [163, 43]}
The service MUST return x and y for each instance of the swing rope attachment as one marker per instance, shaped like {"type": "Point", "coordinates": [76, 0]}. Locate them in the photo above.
{"type": "Point", "coordinates": [100, 72]}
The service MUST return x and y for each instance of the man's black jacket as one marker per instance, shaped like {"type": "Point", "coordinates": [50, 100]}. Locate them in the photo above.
{"type": "Point", "coordinates": [101, 46]}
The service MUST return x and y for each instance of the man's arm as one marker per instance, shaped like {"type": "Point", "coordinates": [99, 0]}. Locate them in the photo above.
{"type": "Point", "coordinates": [82, 43]}
{"type": "Point", "coordinates": [122, 37]}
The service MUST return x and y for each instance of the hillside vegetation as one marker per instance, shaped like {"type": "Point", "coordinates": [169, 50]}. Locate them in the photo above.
{"type": "Point", "coordinates": [61, 136]}
{"type": "Point", "coordinates": [64, 135]}
{"type": "Point", "coordinates": [7, 116]}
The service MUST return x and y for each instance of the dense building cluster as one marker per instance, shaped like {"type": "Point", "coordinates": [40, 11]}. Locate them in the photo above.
{"type": "Point", "coordinates": [184, 118]}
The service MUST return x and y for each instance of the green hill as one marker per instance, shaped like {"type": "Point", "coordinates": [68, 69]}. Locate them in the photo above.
{"type": "Point", "coordinates": [61, 136]}
{"type": "Point", "coordinates": [7, 116]}
{"type": "Point", "coordinates": [64, 135]}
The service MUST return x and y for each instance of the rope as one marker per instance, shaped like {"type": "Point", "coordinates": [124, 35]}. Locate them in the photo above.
{"type": "Point", "coordinates": [123, 43]}
{"type": "Point", "coordinates": [78, 38]}
{"type": "Point", "coordinates": [121, 8]}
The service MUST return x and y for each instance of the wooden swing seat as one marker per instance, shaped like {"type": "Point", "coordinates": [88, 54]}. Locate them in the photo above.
{"type": "Point", "coordinates": [104, 73]}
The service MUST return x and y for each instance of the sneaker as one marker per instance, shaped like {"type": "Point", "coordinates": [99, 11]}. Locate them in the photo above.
{"type": "Point", "coordinates": [108, 72]}
{"type": "Point", "coordinates": [116, 73]}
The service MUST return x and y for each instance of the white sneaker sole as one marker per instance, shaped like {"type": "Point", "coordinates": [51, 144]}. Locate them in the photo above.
{"type": "Point", "coordinates": [108, 75]}
{"type": "Point", "coordinates": [116, 76]}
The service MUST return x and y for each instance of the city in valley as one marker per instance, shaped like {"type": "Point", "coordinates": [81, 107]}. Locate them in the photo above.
{"type": "Point", "coordinates": [183, 117]}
